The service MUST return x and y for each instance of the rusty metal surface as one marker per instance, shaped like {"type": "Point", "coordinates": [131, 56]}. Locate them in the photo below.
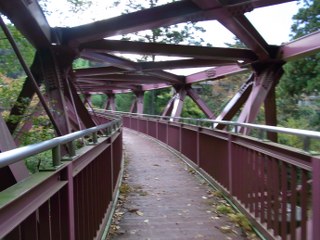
{"type": "Point", "coordinates": [165, 200]}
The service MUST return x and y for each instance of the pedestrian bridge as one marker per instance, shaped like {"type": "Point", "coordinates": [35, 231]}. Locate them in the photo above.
{"type": "Point", "coordinates": [276, 187]}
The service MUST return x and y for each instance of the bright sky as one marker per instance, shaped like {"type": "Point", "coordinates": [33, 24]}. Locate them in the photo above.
{"type": "Point", "coordinates": [273, 22]}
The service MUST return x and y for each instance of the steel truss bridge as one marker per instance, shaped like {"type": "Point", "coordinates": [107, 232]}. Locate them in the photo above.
{"type": "Point", "coordinates": [267, 181]}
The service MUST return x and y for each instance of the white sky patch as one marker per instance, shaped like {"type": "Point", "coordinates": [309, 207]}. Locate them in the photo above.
{"type": "Point", "coordinates": [274, 22]}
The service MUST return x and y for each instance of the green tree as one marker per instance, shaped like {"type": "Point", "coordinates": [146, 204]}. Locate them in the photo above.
{"type": "Point", "coordinates": [303, 75]}
{"type": "Point", "coordinates": [10, 65]}
{"type": "Point", "coordinates": [297, 93]}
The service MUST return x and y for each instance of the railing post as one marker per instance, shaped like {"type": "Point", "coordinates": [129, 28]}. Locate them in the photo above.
{"type": "Point", "coordinates": [94, 137]}
{"type": "Point", "coordinates": [315, 198]}
{"type": "Point", "coordinates": [230, 163]}
{"type": "Point", "coordinates": [56, 156]}
{"type": "Point", "coordinates": [306, 144]}
{"type": "Point", "coordinates": [261, 134]}
{"type": "Point", "coordinates": [72, 149]}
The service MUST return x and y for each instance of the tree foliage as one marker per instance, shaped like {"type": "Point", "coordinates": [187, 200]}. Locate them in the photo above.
{"type": "Point", "coordinates": [298, 91]}
{"type": "Point", "coordinates": [303, 75]}
{"type": "Point", "coordinates": [10, 65]}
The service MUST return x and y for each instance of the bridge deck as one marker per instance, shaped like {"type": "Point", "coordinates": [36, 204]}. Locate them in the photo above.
{"type": "Point", "coordinates": [164, 200]}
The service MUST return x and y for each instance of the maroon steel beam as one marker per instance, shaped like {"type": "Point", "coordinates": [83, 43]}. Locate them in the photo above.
{"type": "Point", "coordinates": [165, 15]}
{"type": "Point", "coordinates": [30, 76]}
{"type": "Point", "coordinates": [80, 109]}
{"type": "Point", "coordinates": [236, 102]}
{"type": "Point", "coordinates": [214, 73]}
{"type": "Point", "coordinates": [133, 78]}
{"type": "Point", "coordinates": [139, 103]}
{"type": "Point", "coordinates": [175, 104]}
{"type": "Point", "coordinates": [14, 172]}
{"type": "Point", "coordinates": [201, 104]}
{"type": "Point", "coordinates": [25, 96]}
{"type": "Point", "coordinates": [210, 4]}
{"type": "Point", "coordinates": [95, 73]}
{"type": "Point", "coordinates": [168, 109]}
{"type": "Point", "coordinates": [214, 53]}
{"type": "Point", "coordinates": [270, 113]}
{"type": "Point", "coordinates": [85, 72]}
{"type": "Point", "coordinates": [145, 19]}
{"type": "Point", "coordinates": [244, 30]}
{"type": "Point", "coordinates": [53, 75]}
{"type": "Point", "coordinates": [189, 63]}
{"type": "Point", "coordinates": [111, 104]}
{"type": "Point", "coordinates": [120, 91]}
{"type": "Point", "coordinates": [148, 87]}
{"type": "Point", "coordinates": [28, 17]}
{"type": "Point", "coordinates": [29, 201]}
{"type": "Point", "coordinates": [28, 123]}
{"type": "Point", "coordinates": [166, 76]}
{"type": "Point", "coordinates": [106, 88]}
{"type": "Point", "coordinates": [110, 59]}
{"type": "Point", "coordinates": [266, 78]}
{"type": "Point", "coordinates": [301, 47]}
{"type": "Point", "coordinates": [232, 17]}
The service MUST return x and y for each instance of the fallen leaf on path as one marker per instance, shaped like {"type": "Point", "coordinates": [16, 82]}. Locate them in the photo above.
{"type": "Point", "coordinates": [139, 213]}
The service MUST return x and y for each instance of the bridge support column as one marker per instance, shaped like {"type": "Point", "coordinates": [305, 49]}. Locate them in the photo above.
{"type": "Point", "coordinates": [79, 109]}
{"type": "Point", "coordinates": [14, 172]}
{"type": "Point", "coordinates": [137, 105]}
{"type": "Point", "coordinates": [175, 104]}
{"type": "Point", "coordinates": [266, 78]}
{"type": "Point", "coordinates": [236, 102]}
{"type": "Point", "coordinates": [87, 99]}
{"type": "Point", "coordinates": [201, 104]}
{"type": "Point", "coordinates": [111, 104]}
{"type": "Point", "coordinates": [53, 75]}
{"type": "Point", "coordinates": [270, 113]}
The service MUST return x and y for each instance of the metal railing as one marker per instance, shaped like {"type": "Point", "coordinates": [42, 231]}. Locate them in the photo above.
{"type": "Point", "coordinates": [277, 187]}
{"type": "Point", "coordinates": [306, 135]}
{"type": "Point", "coordinates": [72, 200]}
{"type": "Point", "coordinates": [18, 154]}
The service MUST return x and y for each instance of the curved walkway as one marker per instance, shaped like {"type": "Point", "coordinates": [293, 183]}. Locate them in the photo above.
{"type": "Point", "coordinates": [163, 199]}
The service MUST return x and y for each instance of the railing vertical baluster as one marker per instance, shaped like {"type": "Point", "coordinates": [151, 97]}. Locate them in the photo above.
{"type": "Point", "coordinates": [306, 144]}
{"type": "Point", "coordinates": [304, 203]}
{"type": "Point", "coordinates": [275, 195]}
{"type": "Point", "coordinates": [94, 137]}
{"type": "Point", "coordinates": [56, 156]}
{"type": "Point", "coordinates": [315, 198]}
{"type": "Point", "coordinates": [262, 189]}
{"type": "Point", "coordinates": [268, 190]}
{"type": "Point", "coordinates": [293, 202]}
{"type": "Point", "coordinates": [72, 149]}
{"type": "Point", "coordinates": [230, 163]}
{"type": "Point", "coordinates": [284, 188]}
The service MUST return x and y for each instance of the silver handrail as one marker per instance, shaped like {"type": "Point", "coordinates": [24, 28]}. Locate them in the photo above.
{"type": "Point", "coordinates": [17, 154]}
{"type": "Point", "coordinates": [306, 134]}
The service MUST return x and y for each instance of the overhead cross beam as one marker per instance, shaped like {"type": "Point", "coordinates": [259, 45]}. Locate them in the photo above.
{"type": "Point", "coordinates": [213, 53]}
{"type": "Point", "coordinates": [301, 47]}
{"type": "Point", "coordinates": [30, 21]}
{"type": "Point", "coordinates": [231, 15]}
{"type": "Point", "coordinates": [164, 15]}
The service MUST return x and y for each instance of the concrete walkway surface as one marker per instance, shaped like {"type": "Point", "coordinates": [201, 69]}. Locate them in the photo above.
{"type": "Point", "coordinates": [162, 198]}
